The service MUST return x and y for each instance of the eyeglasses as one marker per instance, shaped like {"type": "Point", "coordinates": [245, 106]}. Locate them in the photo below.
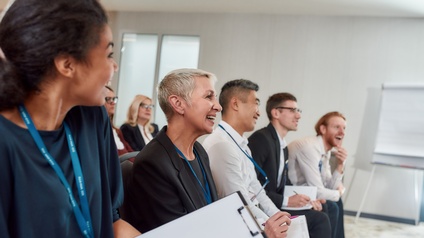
{"type": "Point", "coordinates": [292, 109]}
{"type": "Point", "coordinates": [147, 106]}
{"type": "Point", "coordinates": [111, 100]}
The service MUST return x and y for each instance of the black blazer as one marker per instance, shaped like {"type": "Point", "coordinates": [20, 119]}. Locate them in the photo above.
{"type": "Point", "coordinates": [265, 148]}
{"type": "Point", "coordinates": [132, 135]}
{"type": "Point", "coordinates": [161, 189]}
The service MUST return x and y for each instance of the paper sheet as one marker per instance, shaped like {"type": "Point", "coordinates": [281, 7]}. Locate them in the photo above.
{"type": "Point", "coordinates": [309, 191]}
{"type": "Point", "coordinates": [298, 228]}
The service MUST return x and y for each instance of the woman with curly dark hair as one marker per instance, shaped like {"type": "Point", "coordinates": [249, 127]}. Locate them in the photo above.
{"type": "Point", "coordinates": [59, 168]}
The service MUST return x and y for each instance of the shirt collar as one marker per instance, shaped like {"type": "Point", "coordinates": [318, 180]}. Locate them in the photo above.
{"type": "Point", "coordinates": [283, 143]}
{"type": "Point", "coordinates": [322, 149]}
{"type": "Point", "coordinates": [241, 140]}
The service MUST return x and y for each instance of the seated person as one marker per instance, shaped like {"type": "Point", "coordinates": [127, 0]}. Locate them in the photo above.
{"type": "Point", "coordinates": [171, 175]}
{"type": "Point", "coordinates": [270, 152]}
{"type": "Point", "coordinates": [309, 164]}
{"type": "Point", "coordinates": [138, 130]}
{"type": "Point", "coordinates": [231, 163]}
{"type": "Point", "coordinates": [59, 169]}
{"type": "Point", "coordinates": [110, 102]}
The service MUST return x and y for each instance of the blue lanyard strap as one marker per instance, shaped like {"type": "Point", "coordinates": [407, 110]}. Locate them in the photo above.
{"type": "Point", "coordinates": [320, 163]}
{"type": "Point", "coordinates": [83, 218]}
{"type": "Point", "coordinates": [206, 190]}
{"type": "Point", "coordinates": [251, 159]}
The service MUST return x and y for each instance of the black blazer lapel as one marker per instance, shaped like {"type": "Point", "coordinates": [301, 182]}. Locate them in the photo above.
{"type": "Point", "coordinates": [276, 147]}
{"type": "Point", "coordinates": [191, 187]}
{"type": "Point", "coordinates": [204, 158]}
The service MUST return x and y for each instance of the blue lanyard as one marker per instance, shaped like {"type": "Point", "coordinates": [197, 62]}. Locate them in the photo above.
{"type": "Point", "coordinates": [206, 190]}
{"type": "Point", "coordinates": [83, 219]}
{"type": "Point", "coordinates": [253, 161]}
{"type": "Point", "coordinates": [320, 165]}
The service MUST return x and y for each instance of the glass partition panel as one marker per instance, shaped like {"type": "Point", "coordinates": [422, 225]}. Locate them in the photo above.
{"type": "Point", "coordinates": [176, 52]}
{"type": "Point", "coordinates": [136, 72]}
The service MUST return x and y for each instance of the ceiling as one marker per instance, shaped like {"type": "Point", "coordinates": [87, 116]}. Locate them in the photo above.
{"type": "Point", "coordinates": [384, 8]}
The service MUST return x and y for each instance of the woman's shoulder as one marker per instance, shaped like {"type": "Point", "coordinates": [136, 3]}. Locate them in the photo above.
{"type": "Point", "coordinates": [84, 112]}
{"type": "Point", "coordinates": [126, 126]}
{"type": "Point", "coordinates": [9, 131]}
{"type": "Point", "coordinates": [87, 119]}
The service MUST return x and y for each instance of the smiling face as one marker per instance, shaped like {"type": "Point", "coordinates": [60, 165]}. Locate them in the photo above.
{"type": "Point", "coordinates": [334, 132]}
{"type": "Point", "coordinates": [110, 106]}
{"type": "Point", "coordinates": [249, 112]}
{"type": "Point", "coordinates": [287, 119]}
{"type": "Point", "coordinates": [204, 106]}
{"type": "Point", "coordinates": [92, 77]}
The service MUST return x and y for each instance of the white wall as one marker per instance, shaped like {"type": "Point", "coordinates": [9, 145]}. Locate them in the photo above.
{"type": "Point", "coordinates": [328, 63]}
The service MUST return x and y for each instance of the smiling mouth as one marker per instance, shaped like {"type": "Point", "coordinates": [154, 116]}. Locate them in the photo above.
{"type": "Point", "coordinates": [339, 138]}
{"type": "Point", "coordinates": [211, 118]}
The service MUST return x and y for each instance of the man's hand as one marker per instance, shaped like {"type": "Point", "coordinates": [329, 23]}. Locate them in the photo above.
{"type": "Point", "coordinates": [341, 156]}
{"type": "Point", "coordinates": [277, 225]}
{"type": "Point", "coordinates": [298, 200]}
{"type": "Point", "coordinates": [316, 205]}
{"type": "Point", "coordinates": [341, 189]}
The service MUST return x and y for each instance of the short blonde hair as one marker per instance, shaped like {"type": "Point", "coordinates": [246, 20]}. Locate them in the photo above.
{"type": "Point", "coordinates": [180, 82]}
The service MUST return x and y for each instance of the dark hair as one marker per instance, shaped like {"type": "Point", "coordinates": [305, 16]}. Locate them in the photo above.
{"type": "Point", "coordinates": [324, 120]}
{"type": "Point", "coordinates": [239, 88]}
{"type": "Point", "coordinates": [277, 100]}
{"type": "Point", "coordinates": [34, 32]}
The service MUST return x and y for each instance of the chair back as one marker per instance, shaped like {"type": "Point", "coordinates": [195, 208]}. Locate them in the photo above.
{"type": "Point", "coordinates": [126, 167]}
{"type": "Point", "coordinates": [128, 155]}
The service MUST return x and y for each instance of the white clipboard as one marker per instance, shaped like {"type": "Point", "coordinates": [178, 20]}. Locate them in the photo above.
{"type": "Point", "coordinates": [227, 217]}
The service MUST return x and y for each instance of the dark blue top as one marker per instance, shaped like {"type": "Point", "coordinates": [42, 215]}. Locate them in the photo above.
{"type": "Point", "coordinates": [33, 201]}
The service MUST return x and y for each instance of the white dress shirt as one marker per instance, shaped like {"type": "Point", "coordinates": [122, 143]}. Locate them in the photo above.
{"type": "Point", "coordinates": [118, 142]}
{"type": "Point", "coordinates": [304, 167]}
{"type": "Point", "coordinates": [233, 171]}
{"type": "Point", "coordinates": [283, 144]}
{"type": "Point", "coordinates": [147, 136]}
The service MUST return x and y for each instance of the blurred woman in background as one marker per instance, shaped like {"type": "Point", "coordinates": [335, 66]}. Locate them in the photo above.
{"type": "Point", "coordinates": [138, 129]}
{"type": "Point", "coordinates": [121, 144]}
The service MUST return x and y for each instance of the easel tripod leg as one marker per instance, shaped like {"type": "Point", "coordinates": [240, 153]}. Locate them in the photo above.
{"type": "Point", "coordinates": [358, 213]}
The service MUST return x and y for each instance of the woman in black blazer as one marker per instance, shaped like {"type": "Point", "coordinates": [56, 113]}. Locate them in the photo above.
{"type": "Point", "coordinates": [171, 176]}
{"type": "Point", "coordinates": [138, 129]}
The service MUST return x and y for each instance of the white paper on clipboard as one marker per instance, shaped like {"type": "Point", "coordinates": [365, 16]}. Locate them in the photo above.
{"type": "Point", "coordinates": [227, 217]}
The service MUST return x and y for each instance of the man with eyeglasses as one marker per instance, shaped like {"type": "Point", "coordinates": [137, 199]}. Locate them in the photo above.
{"type": "Point", "coordinates": [231, 163]}
{"type": "Point", "coordinates": [309, 163]}
{"type": "Point", "coordinates": [269, 150]}
{"type": "Point", "coordinates": [121, 144]}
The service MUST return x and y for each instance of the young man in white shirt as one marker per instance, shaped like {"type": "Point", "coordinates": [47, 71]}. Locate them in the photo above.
{"type": "Point", "coordinates": [309, 164]}
{"type": "Point", "coordinates": [231, 163]}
